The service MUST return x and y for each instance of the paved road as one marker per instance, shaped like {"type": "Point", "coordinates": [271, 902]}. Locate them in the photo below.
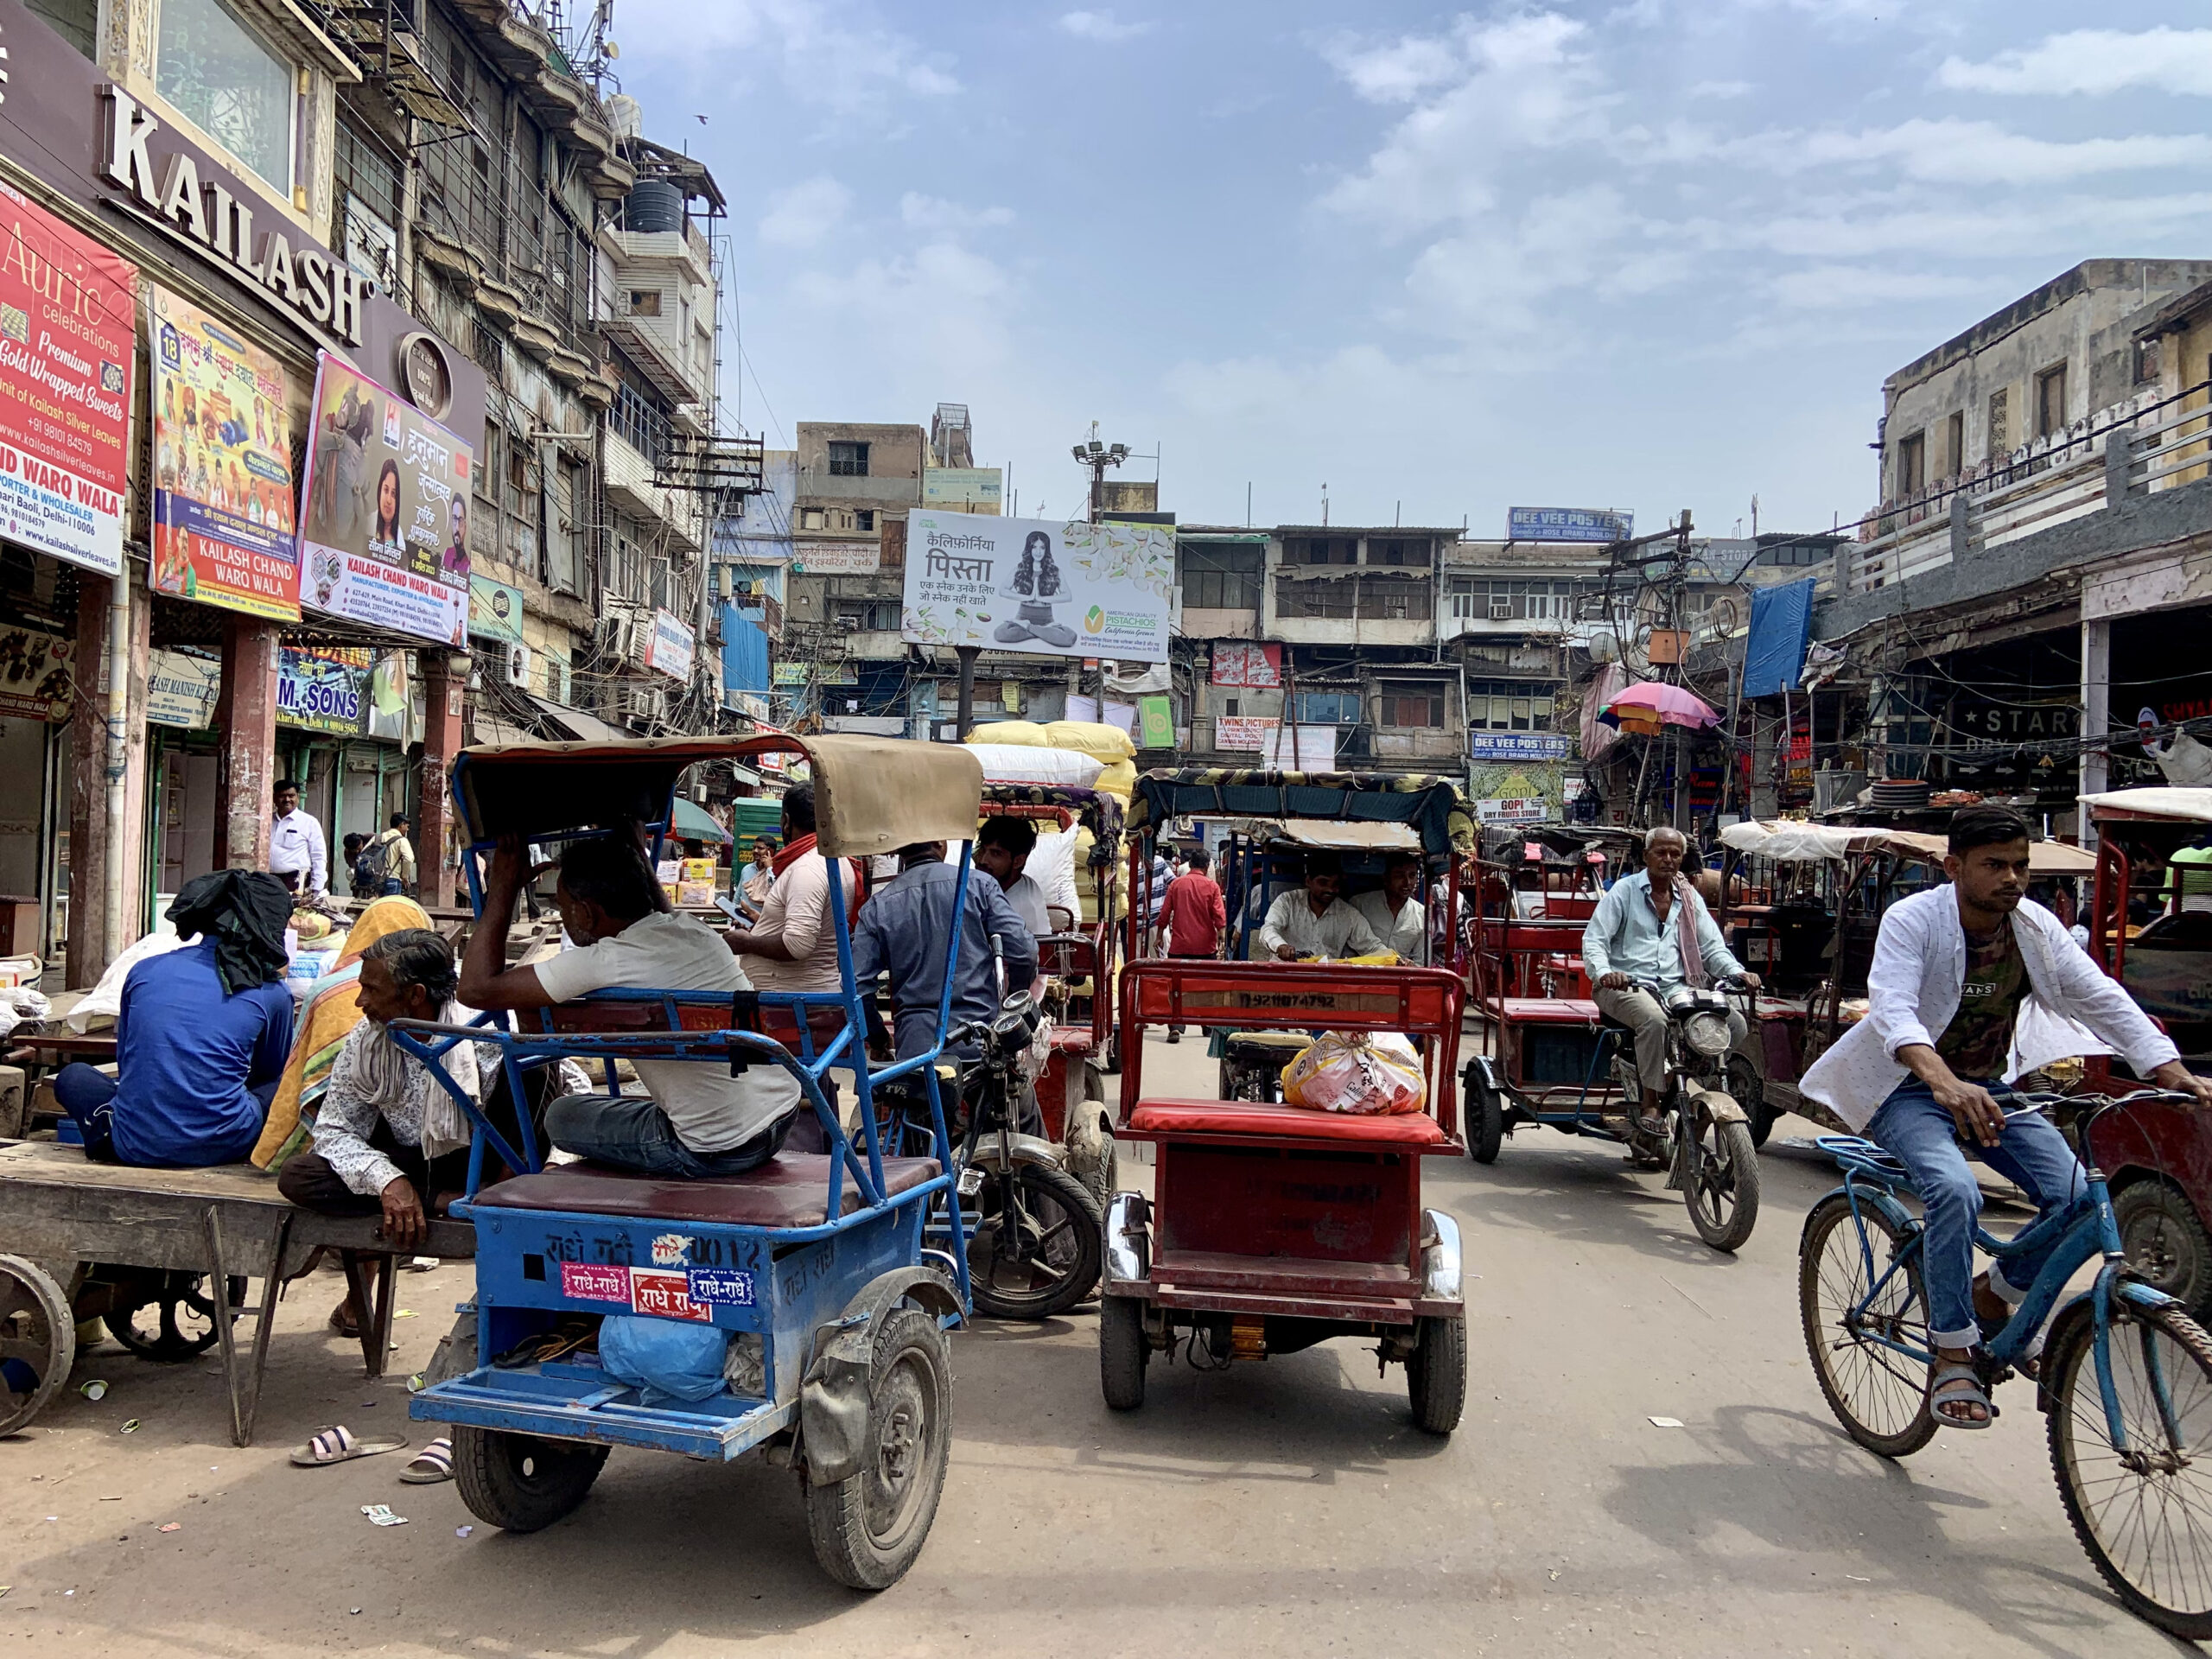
{"type": "Point", "coordinates": [1286, 1507]}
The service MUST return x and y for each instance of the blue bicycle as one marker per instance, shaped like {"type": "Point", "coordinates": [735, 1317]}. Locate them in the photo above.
{"type": "Point", "coordinates": [2124, 1378]}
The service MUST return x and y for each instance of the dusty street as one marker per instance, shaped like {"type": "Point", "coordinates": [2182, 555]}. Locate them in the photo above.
{"type": "Point", "coordinates": [1284, 1507]}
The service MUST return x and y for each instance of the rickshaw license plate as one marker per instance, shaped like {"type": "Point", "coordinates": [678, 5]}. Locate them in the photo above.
{"type": "Point", "coordinates": [971, 1182]}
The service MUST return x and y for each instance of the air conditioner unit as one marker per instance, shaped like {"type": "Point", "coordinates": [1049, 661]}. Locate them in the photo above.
{"type": "Point", "coordinates": [1501, 610]}
{"type": "Point", "coordinates": [640, 702]}
{"type": "Point", "coordinates": [519, 665]}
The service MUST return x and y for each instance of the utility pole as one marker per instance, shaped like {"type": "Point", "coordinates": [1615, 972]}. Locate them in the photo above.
{"type": "Point", "coordinates": [1098, 457]}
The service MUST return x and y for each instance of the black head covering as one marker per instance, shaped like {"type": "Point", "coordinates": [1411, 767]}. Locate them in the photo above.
{"type": "Point", "coordinates": [245, 912]}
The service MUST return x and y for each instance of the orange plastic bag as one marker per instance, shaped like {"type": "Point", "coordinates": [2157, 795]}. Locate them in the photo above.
{"type": "Point", "coordinates": [1370, 1074]}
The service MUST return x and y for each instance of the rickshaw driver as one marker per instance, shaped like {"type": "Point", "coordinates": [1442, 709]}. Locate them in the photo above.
{"type": "Point", "coordinates": [698, 1120]}
{"type": "Point", "coordinates": [1636, 934]}
{"type": "Point", "coordinates": [1311, 922]}
{"type": "Point", "coordinates": [1973, 983]}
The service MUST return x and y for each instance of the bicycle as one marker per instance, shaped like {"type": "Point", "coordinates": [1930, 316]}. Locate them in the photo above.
{"type": "Point", "coordinates": [2132, 1455]}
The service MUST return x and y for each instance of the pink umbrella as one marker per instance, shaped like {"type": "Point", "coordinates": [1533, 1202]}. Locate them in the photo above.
{"type": "Point", "coordinates": [1649, 704]}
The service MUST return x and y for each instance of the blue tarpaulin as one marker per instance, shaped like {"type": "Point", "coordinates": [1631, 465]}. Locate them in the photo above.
{"type": "Point", "coordinates": [1774, 655]}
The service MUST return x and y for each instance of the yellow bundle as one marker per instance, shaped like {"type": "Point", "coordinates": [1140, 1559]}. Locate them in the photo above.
{"type": "Point", "coordinates": [1109, 743]}
{"type": "Point", "coordinates": [1118, 779]}
{"type": "Point", "coordinates": [1026, 733]}
{"type": "Point", "coordinates": [1370, 1074]}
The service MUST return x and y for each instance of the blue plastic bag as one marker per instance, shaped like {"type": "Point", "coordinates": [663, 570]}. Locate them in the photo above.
{"type": "Point", "coordinates": [672, 1359]}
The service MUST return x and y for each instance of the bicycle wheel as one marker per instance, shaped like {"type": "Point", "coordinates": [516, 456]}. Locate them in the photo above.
{"type": "Point", "coordinates": [1878, 1395]}
{"type": "Point", "coordinates": [2144, 1517]}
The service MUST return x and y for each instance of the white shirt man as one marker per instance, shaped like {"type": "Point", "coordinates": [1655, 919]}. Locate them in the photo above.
{"type": "Point", "coordinates": [299, 855]}
{"type": "Point", "coordinates": [1295, 930]}
{"type": "Point", "coordinates": [796, 916]}
{"type": "Point", "coordinates": [1395, 912]}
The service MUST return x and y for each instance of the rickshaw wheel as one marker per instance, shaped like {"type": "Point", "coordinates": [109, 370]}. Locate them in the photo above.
{"type": "Point", "coordinates": [2166, 1242]}
{"type": "Point", "coordinates": [1122, 1352]}
{"type": "Point", "coordinates": [172, 1299]}
{"type": "Point", "coordinates": [1486, 1118]}
{"type": "Point", "coordinates": [518, 1482]}
{"type": "Point", "coordinates": [867, 1530]}
{"type": "Point", "coordinates": [1436, 1374]}
{"type": "Point", "coordinates": [38, 1341]}
{"type": "Point", "coordinates": [1748, 1090]}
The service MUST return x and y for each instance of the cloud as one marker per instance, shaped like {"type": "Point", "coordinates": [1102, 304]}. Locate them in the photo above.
{"type": "Point", "coordinates": [1719, 89]}
{"type": "Point", "coordinates": [800, 215]}
{"type": "Point", "coordinates": [1832, 288]}
{"type": "Point", "coordinates": [941, 310]}
{"type": "Point", "coordinates": [2036, 227]}
{"type": "Point", "coordinates": [918, 212]}
{"type": "Point", "coordinates": [835, 58]}
{"type": "Point", "coordinates": [2092, 61]}
{"type": "Point", "coordinates": [1976, 152]}
{"type": "Point", "coordinates": [1101, 25]}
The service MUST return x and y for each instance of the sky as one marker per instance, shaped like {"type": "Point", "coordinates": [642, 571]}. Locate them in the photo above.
{"type": "Point", "coordinates": [1655, 256]}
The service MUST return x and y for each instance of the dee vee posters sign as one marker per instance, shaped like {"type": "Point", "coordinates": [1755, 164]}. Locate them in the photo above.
{"type": "Point", "coordinates": [1041, 586]}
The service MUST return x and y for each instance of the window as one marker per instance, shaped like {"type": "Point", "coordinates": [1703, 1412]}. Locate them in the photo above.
{"type": "Point", "coordinates": [643, 428]}
{"type": "Point", "coordinates": [1394, 599]}
{"type": "Point", "coordinates": [1398, 551]}
{"type": "Point", "coordinates": [1479, 599]}
{"type": "Point", "coordinates": [2150, 357]}
{"type": "Point", "coordinates": [812, 518]}
{"type": "Point", "coordinates": [1955, 444]}
{"type": "Point", "coordinates": [2000, 423]}
{"type": "Point", "coordinates": [848, 460]}
{"type": "Point", "coordinates": [868, 615]}
{"type": "Point", "coordinates": [1912, 465]}
{"type": "Point", "coordinates": [1420, 707]}
{"type": "Point", "coordinates": [2051, 401]}
{"type": "Point", "coordinates": [1328, 707]}
{"type": "Point", "coordinates": [1508, 706]}
{"type": "Point", "coordinates": [645, 301]}
{"type": "Point", "coordinates": [1232, 707]}
{"type": "Point", "coordinates": [864, 519]}
{"type": "Point", "coordinates": [1221, 578]}
{"type": "Point", "coordinates": [1323, 550]}
{"type": "Point", "coordinates": [1318, 599]}
{"type": "Point", "coordinates": [220, 76]}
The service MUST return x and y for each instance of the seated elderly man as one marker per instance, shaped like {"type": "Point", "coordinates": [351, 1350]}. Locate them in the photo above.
{"type": "Point", "coordinates": [200, 1036]}
{"type": "Point", "coordinates": [1312, 924]}
{"type": "Point", "coordinates": [697, 1120]}
{"type": "Point", "coordinates": [389, 1139]}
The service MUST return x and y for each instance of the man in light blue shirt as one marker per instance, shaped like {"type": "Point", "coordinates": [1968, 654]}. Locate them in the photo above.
{"type": "Point", "coordinates": [1635, 935]}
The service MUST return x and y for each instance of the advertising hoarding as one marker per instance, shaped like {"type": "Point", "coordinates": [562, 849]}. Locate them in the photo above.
{"type": "Point", "coordinates": [1259, 667]}
{"type": "Point", "coordinates": [69, 330]}
{"type": "Point", "coordinates": [384, 525]}
{"type": "Point", "coordinates": [836, 558]}
{"type": "Point", "coordinates": [322, 691]}
{"type": "Point", "coordinates": [670, 648]}
{"type": "Point", "coordinates": [34, 683]}
{"type": "Point", "coordinates": [964, 489]}
{"type": "Point", "coordinates": [1516, 745]}
{"type": "Point", "coordinates": [494, 610]}
{"type": "Point", "coordinates": [1040, 586]}
{"type": "Point", "coordinates": [1569, 524]}
{"type": "Point", "coordinates": [223, 499]}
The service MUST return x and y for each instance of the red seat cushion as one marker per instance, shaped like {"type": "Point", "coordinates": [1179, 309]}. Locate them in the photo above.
{"type": "Point", "coordinates": [790, 1190]}
{"type": "Point", "coordinates": [1236, 1117]}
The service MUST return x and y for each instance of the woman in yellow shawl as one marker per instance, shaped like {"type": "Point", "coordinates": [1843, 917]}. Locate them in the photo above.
{"type": "Point", "coordinates": [332, 1009]}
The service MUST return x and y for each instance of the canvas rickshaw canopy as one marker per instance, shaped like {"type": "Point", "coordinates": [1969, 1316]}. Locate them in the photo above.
{"type": "Point", "coordinates": [1789, 842]}
{"type": "Point", "coordinates": [872, 795]}
{"type": "Point", "coordinates": [1431, 807]}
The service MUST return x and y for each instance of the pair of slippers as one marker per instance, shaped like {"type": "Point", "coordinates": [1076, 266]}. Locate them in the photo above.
{"type": "Point", "coordinates": [432, 1464]}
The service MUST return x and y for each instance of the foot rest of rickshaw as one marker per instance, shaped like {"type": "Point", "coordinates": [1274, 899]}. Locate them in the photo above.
{"type": "Point", "coordinates": [790, 1190]}
{"type": "Point", "coordinates": [1171, 1117]}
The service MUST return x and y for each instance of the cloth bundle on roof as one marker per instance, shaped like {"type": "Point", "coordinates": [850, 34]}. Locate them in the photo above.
{"type": "Point", "coordinates": [245, 912]}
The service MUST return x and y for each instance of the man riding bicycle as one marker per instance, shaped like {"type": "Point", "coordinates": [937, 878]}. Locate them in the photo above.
{"type": "Point", "coordinates": [1973, 984]}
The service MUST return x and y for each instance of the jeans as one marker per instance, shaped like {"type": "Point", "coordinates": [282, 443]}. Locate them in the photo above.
{"type": "Point", "coordinates": [87, 1094]}
{"type": "Point", "coordinates": [2032, 1155]}
{"type": "Point", "coordinates": [631, 1132]}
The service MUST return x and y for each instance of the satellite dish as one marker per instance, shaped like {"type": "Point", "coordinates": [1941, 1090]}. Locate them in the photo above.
{"type": "Point", "coordinates": [612, 50]}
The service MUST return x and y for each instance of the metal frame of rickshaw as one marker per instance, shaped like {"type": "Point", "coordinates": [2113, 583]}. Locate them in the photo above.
{"type": "Point", "coordinates": [792, 1286]}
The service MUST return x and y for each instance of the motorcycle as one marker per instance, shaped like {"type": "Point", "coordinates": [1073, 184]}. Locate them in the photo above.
{"type": "Point", "coordinates": [1705, 1146]}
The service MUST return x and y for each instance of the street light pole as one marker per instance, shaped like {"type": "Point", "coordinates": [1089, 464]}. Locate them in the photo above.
{"type": "Point", "coordinates": [1098, 457]}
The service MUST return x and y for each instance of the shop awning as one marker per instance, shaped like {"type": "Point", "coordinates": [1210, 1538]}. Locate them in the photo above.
{"type": "Point", "coordinates": [583, 728]}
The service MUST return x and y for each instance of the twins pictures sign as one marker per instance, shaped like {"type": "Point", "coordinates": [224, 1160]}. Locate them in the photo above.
{"type": "Point", "coordinates": [1038, 587]}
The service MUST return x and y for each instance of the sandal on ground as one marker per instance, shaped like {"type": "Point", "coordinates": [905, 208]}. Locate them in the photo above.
{"type": "Point", "coordinates": [433, 1463]}
{"type": "Point", "coordinates": [1946, 1391]}
{"type": "Point", "coordinates": [340, 1445]}
{"type": "Point", "coordinates": [342, 1325]}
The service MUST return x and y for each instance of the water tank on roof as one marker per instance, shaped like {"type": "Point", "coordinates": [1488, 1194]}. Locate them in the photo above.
{"type": "Point", "coordinates": [623, 117]}
{"type": "Point", "coordinates": [654, 205]}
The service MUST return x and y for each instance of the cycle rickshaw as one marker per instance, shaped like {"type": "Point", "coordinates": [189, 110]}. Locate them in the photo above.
{"type": "Point", "coordinates": [816, 1267]}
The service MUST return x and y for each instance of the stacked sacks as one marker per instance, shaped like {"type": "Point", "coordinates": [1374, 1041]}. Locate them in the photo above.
{"type": "Point", "coordinates": [1109, 744]}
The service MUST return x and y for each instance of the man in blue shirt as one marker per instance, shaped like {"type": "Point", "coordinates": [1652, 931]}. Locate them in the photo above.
{"type": "Point", "coordinates": [201, 1038]}
{"type": "Point", "coordinates": [1636, 935]}
{"type": "Point", "coordinates": [902, 931]}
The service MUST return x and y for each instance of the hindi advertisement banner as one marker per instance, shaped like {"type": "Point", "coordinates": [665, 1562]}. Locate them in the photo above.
{"type": "Point", "coordinates": [836, 558]}
{"type": "Point", "coordinates": [223, 499]}
{"type": "Point", "coordinates": [68, 331]}
{"type": "Point", "coordinates": [1259, 667]}
{"type": "Point", "coordinates": [384, 525]}
{"type": "Point", "coordinates": [323, 690]}
{"type": "Point", "coordinates": [1038, 587]}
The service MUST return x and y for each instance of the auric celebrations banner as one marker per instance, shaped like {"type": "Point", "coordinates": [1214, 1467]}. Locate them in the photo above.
{"type": "Point", "coordinates": [222, 467]}
{"type": "Point", "coordinates": [385, 527]}
{"type": "Point", "coordinates": [1038, 587]}
{"type": "Point", "coordinates": [68, 321]}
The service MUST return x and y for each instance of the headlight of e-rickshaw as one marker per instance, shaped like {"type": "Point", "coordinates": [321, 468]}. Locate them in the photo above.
{"type": "Point", "coordinates": [1707, 1033]}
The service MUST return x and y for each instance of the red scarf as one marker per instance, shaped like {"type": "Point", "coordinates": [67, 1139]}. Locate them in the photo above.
{"type": "Point", "coordinates": [856, 882]}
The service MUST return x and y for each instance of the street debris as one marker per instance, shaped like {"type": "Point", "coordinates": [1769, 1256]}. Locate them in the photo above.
{"type": "Point", "coordinates": [170, 1526]}
{"type": "Point", "coordinates": [380, 1515]}
{"type": "Point", "coordinates": [1666, 1423]}
{"type": "Point", "coordinates": [462, 1532]}
{"type": "Point", "coordinates": [130, 1427]}
{"type": "Point", "coordinates": [95, 1389]}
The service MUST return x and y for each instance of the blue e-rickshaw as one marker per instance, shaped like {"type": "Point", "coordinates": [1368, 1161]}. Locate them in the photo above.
{"type": "Point", "coordinates": [834, 1303]}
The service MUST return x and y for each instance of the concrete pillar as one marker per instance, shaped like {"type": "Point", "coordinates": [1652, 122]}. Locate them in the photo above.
{"type": "Point", "coordinates": [2096, 714]}
{"type": "Point", "coordinates": [445, 681]}
{"type": "Point", "coordinates": [245, 720]}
